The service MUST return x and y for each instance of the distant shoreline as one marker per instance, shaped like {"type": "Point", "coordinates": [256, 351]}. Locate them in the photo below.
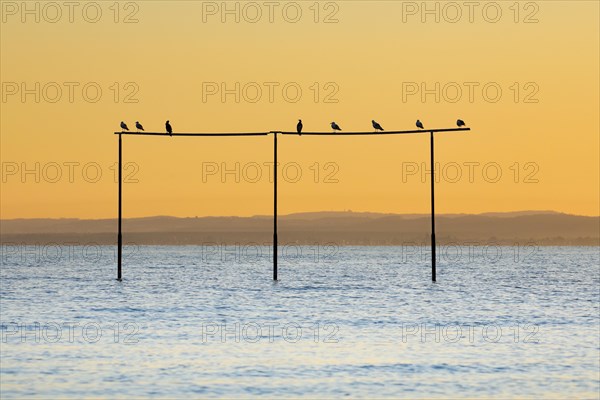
{"type": "Point", "coordinates": [542, 228]}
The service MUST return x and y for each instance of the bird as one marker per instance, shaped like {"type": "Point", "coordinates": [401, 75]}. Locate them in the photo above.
{"type": "Point", "coordinates": [124, 126]}
{"type": "Point", "coordinates": [169, 129]}
{"type": "Point", "coordinates": [335, 127]}
{"type": "Point", "coordinates": [139, 126]}
{"type": "Point", "coordinates": [376, 125]}
{"type": "Point", "coordinates": [299, 127]}
{"type": "Point", "coordinates": [420, 124]}
{"type": "Point", "coordinates": [460, 122]}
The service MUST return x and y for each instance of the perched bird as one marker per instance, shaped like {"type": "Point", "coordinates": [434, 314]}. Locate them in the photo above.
{"type": "Point", "coordinates": [299, 127]}
{"type": "Point", "coordinates": [124, 126]}
{"type": "Point", "coordinates": [460, 122]}
{"type": "Point", "coordinates": [169, 129]}
{"type": "Point", "coordinates": [376, 125]}
{"type": "Point", "coordinates": [335, 127]}
{"type": "Point", "coordinates": [420, 124]}
{"type": "Point", "coordinates": [139, 126]}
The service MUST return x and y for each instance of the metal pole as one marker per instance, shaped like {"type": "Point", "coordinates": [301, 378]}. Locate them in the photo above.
{"type": "Point", "coordinates": [120, 238]}
{"type": "Point", "coordinates": [275, 207]}
{"type": "Point", "coordinates": [432, 210]}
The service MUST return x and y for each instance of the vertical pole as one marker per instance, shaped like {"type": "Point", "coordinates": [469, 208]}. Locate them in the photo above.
{"type": "Point", "coordinates": [275, 206]}
{"type": "Point", "coordinates": [120, 238]}
{"type": "Point", "coordinates": [433, 271]}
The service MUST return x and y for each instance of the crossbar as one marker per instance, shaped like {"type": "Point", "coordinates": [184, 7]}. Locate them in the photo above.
{"type": "Point", "coordinates": [372, 133]}
{"type": "Point", "coordinates": [339, 133]}
{"type": "Point", "coordinates": [192, 134]}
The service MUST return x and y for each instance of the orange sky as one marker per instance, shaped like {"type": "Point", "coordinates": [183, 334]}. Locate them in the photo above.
{"type": "Point", "coordinates": [541, 133]}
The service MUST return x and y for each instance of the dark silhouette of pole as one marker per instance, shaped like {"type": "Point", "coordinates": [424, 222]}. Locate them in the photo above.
{"type": "Point", "coordinates": [275, 207]}
{"type": "Point", "coordinates": [120, 237]}
{"type": "Point", "coordinates": [432, 210]}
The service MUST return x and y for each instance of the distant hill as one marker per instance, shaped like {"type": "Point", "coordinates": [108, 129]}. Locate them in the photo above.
{"type": "Point", "coordinates": [343, 228]}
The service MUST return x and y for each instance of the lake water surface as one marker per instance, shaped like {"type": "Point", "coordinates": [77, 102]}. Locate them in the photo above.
{"type": "Point", "coordinates": [207, 321]}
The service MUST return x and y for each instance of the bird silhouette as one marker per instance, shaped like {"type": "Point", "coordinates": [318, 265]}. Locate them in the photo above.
{"type": "Point", "coordinates": [420, 125]}
{"type": "Point", "coordinates": [376, 125]}
{"type": "Point", "coordinates": [139, 126]}
{"type": "Point", "coordinates": [299, 127]}
{"type": "Point", "coordinates": [335, 127]}
{"type": "Point", "coordinates": [124, 126]}
{"type": "Point", "coordinates": [460, 122]}
{"type": "Point", "coordinates": [169, 129]}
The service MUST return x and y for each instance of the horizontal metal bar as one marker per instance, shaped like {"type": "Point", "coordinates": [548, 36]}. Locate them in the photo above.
{"type": "Point", "coordinates": [338, 133]}
{"type": "Point", "coordinates": [342, 133]}
{"type": "Point", "coordinates": [192, 134]}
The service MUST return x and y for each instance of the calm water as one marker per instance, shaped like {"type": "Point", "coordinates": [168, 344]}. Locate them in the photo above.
{"type": "Point", "coordinates": [341, 322]}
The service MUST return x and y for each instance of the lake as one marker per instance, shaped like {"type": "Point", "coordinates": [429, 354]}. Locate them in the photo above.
{"type": "Point", "coordinates": [208, 321]}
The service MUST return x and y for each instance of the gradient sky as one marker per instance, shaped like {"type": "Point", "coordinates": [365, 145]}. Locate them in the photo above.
{"type": "Point", "coordinates": [544, 142]}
